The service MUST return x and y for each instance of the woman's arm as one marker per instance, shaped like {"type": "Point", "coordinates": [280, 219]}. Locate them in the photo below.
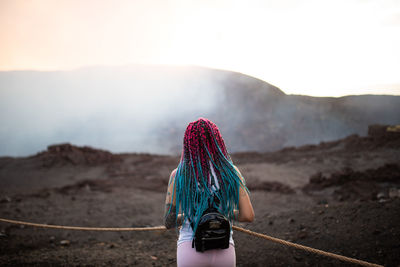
{"type": "Point", "coordinates": [170, 219]}
{"type": "Point", "coordinates": [245, 212]}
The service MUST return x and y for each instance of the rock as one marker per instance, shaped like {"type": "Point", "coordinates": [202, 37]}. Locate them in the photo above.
{"type": "Point", "coordinates": [42, 194]}
{"type": "Point", "coordinates": [290, 220]}
{"type": "Point", "coordinates": [65, 242]}
{"type": "Point", "coordinates": [270, 186]}
{"type": "Point", "coordinates": [61, 154]}
{"type": "Point", "coordinates": [87, 188]}
{"type": "Point", "coordinates": [394, 192]}
{"type": "Point", "coordinates": [301, 227]}
{"type": "Point", "coordinates": [383, 131]}
{"type": "Point", "coordinates": [376, 232]}
{"type": "Point", "coordinates": [112, 245]}
{"type": "Point", "coordinates": [297, 258]}
{"type": "Point", "coordinates": [302, 234]}
{"type": "Point", "coordinates": [52, 239]}
{"type": "Point", "coordinates": [5, 199]}
{"type": "Point", "coordinates": [381, 195]}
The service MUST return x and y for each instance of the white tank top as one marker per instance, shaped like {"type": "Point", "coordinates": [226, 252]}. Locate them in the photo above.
{"type": "Point", "coordinates": [186, 232]}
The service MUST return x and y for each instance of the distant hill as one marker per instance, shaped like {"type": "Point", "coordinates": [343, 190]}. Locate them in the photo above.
{"type": "Point", "coordinates": [254, 115]}
{"type": "Point", "coordinates": [146, 109]}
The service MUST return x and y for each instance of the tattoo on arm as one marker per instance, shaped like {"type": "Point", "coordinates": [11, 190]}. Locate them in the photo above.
{"type": "Point", "coordinates": [242, 192]}
{"type": "Point", "coordinates": [170, 216]}
{"type": "Point", "coordinates": [171, 178]}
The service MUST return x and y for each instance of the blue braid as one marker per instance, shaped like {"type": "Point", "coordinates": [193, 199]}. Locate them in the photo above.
{"type": "Point", "coordinates": [194, 195]}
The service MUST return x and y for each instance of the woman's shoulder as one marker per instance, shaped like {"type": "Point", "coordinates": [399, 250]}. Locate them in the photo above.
{"type": "Point", "coordinates": [172, 175]}
{"type": "Point", "coordinates": [239, 173]}
{"type": "Point", "coordinates": [173, 172]}
{"type": "Point", "coordinates": [236, 168]}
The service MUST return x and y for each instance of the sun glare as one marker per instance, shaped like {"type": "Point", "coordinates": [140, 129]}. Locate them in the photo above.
{"type": "Point", "coordinates": [313, 47]}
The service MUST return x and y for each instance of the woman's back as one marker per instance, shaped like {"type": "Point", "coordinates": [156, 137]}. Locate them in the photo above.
{"type": "Point", "coordinates": [186, 232]}
{"type": "Point", "coordinates": [205, 178]}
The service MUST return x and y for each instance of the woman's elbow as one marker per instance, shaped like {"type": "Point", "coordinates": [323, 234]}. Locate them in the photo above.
{"type": "Point", "coordinates": [170, 222]}
{"type": "Point", "coordinates": [168, 226]}
{"type": "Point", "coordinates": [249, 217]}
{"type": "Point", "coordinates": [246, 217]}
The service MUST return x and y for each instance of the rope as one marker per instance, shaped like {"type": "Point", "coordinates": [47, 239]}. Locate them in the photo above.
{"type": "Point", "coordinates": [155, 228]}
{"type": "Point", "coordinates": [309, 249]}
{"type": "Point", "coordinates": [84, 228]}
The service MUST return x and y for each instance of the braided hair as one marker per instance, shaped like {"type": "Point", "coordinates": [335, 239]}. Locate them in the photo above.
{"type": "Point", "coordinates": [204, 157]}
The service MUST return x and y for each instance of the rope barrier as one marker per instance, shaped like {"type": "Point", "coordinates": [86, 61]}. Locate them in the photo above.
{"type": "Point", "coordinates": [309, 249]}
{"type": "Point", "coordinates": [109, 229]}
{"type": "Point", "coordinates": [155, 228]}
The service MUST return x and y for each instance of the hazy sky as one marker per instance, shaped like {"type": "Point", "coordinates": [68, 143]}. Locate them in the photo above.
{"type": "Point", "coordinates": [312, 47]}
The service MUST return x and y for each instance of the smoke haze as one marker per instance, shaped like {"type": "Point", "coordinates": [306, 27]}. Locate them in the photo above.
{"type": "Point", "coordinates": [146, 109]}
{"type": "Point", "coordinates": [118, 108]}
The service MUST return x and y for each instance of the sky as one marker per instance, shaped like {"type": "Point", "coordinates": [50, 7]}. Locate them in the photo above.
{"type": "Point", "coordinates": [310, 47]}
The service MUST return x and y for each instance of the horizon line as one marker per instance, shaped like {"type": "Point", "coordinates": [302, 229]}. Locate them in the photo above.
{"type": "Point", "coordinates": [72, 69]}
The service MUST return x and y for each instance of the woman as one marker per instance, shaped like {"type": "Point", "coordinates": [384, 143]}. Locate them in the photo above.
{"type": "Point", "coordinates": [204, 178]}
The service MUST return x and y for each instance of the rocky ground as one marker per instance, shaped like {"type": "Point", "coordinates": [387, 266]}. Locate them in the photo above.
{"type": "Point", "coordinates": [342, 197]}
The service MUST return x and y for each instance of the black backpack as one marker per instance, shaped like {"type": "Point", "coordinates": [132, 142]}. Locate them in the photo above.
{"type": "Point", "coordinates": [213, 231]}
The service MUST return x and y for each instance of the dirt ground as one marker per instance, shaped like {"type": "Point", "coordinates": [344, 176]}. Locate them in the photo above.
{"type": "Point", "coordinates": [342, 197]}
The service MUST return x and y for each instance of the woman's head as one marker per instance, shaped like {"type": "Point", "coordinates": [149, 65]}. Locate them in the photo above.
{"type": "Point", "coordinates": [202, 144]}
